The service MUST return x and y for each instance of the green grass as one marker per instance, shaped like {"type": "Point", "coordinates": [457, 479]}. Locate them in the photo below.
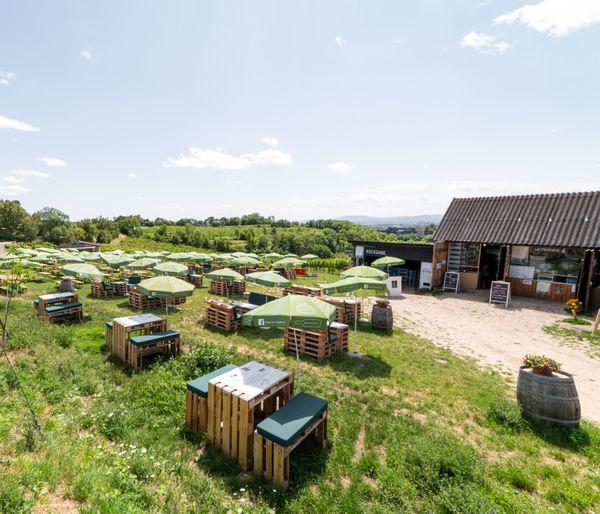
{"type": "Point", "coordinates": [576, 321]}
{"type": "Point", "coordinates": [412, 428]}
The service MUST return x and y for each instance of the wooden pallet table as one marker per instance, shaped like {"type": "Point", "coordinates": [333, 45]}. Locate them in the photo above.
{"type": "Point", "coordinates": [196, 279]}
{"type": "Point", "coordinates": [119, 288]}
{"type": "Point", "coordinates": [222, 315]}
{"type": "Point", "coordinates": [302, 290]}
{"type": "Point", "coordinates": [100, 290]}
{"type": "Point", "coordinates": [140, 301]}
{"type": "Point", "coordinates": [129, 326]}
{"type": "Point", "coordinates": [346, 308]}
{"type": "Point", "coordinates": [58, 307]}
{"type": "Point", "coordinates": [227, 287]}
{"type": "Point", "coordinates": [314, 343]}
{"type": "Point", "coordinates": [340, 332]}
{"type": "Point", "coordinates": [232, 400]}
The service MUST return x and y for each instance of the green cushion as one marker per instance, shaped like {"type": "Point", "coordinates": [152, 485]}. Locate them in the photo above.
{"type": "Point", "coordinates": [109, 324]}
{"type": "Point", "coordinates": [153, 338]}
{"type": "Point", "coordinates": [199, 386]}
{"type": "Point", "coordinates": [284, 426]}
{"type": "Point", "coordinates": [62, 307]}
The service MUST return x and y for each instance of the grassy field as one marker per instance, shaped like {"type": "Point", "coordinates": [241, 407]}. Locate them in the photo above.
{"type": "Point", "coordinates": [412, 428]}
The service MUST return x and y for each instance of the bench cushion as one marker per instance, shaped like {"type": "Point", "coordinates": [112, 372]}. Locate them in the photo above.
{"type": "Point", "coordinates": [153, 338]}
{"type": "Point", "coordinates": [109, 324]}
{"type": "Point", "coordinates": [260, 299]}
{"type": "Point", "coordinates": [284, 426]}
{"type": "Point", "coordinates": [62, 307]}
{"type": "Point", "coordinates": [199, 386]}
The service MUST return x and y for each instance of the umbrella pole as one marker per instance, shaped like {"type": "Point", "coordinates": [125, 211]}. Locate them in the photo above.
{"type": "Point", "coordinates": [354, 354]}
{"type": "Point", "coordinates": [297, 361]}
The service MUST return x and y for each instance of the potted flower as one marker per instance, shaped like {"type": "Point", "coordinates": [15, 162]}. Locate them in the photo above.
{"type": "Point", "coordinates": [575, 306]}
{"type": "Point", "coordinates": [540, 364]}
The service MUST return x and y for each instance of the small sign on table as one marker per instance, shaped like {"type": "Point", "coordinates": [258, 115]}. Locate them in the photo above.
{"type": "Point", "coordinates": [500, 292]}
{"type": "Point", "coordinates": [451, 281]}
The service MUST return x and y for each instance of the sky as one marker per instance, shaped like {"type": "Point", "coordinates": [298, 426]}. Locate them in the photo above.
{"type": "Point", "coordinates": [300, 110]}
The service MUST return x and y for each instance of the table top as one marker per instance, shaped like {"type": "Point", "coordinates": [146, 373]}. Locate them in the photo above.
{"type": "Point", "coordinates": [252, 378]}
{"type": "Point", "coordinates": [335, 324]}
{"type": "Point", "coordinates": [138, 319]}
{"type": "Point", "coordinates": [245, 305]}
{"type": "Point", "coordinates": [56, 296]}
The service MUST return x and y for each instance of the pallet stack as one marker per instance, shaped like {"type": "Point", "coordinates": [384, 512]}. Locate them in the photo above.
{"type": "Point", "coordinates": [314, 343]}
{"type": "Point", "coordinates": [222, 315]}
{"type": "Point", "coordinates": [227, 287]}
{"type": "Point", "coordinates": [196, 279]}
{"type": "Point", "coordinates": [122, 329]}
{"type": "Point", "coordinates": [119, 288]}
{"type": "Point", "coordinates": [346, 309]}
{"type": "Point", "coordinates": [340, 332]}
{"type": "Point", "coordinates": [140, 301]}
{"type": "Point", "coordinates": [302, 290]}
{"type": "Point", "coordinates": [99, 291]}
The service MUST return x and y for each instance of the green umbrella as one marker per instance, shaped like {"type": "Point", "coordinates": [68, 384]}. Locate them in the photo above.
{"type": "Point", "coordinates": [290, 255]}
{"type": "Point", "coordinates": [165, 287]}
{"type": "Point", "coordinates": [90, 257]}
{"type": "Point", "coordinates": [273, 255]}
{"type": "Point", "coordinates": [364, 272]}
{"type": "Point", "coordinates": [155, 255]}
{"type": "Point", "coordinates": [295, 311]}
{"type": "Point", "coordinates": [386, 262]}
{"type": "Point", "coordinates": [224, 274]}
{"type": "Point", "coordinates": [40, 258]}
{"type": "Point", "coordinates": [143, 263]}
{"type": "Point", "coordinates": [116, 261]}
{"type": "Point", "coordinates": [170, 268]}
{"type": "Point", "coordinates": [238, 254]}
{"type": "Point", "coordinates": [201, 257]}
{"type": "Point", "coordinates": [82, 270]}
{"type": "Point", "coordinates": [288, 262]}
{"type": "Point", "coordinates": [244, 261]}
{"type": "Point", "coordinates": [223, 257]}
{"type": "Point", "coordinates": [65, 257]}
{"type": "Point", "coordinates": [309, 256]}
{"type": "Point", "coordinates": [268, 278]}
{"type": "Point", "coordinates": [180, 256]}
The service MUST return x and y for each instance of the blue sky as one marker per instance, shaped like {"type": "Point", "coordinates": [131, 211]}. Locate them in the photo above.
{"type": "Point", "coordinates": [295, 109]}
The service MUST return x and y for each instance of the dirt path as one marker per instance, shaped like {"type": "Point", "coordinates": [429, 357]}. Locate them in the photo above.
{"type": "Point", "coordinates": [469, 326]}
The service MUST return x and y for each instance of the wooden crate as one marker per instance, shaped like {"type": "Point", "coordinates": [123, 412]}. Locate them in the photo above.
{"type": "Point", "coordinates": [341, 333]}
{"type": "Point", "coordinates": [346, 309]}
{"type": "Point", "coordinates": [227, 288]}
{"type": "Point", "coordinates": [302, 290]}
{"type": "Point", "coordinates": [119, 288]}
{"type": "Point", "coordinates": [196, 279]}
{"type": "Point", "coordinates": [222, 315]}
{"type": "Point", "coordinates": [126, 327]}
{"type": "Point", "coordinates": [140, 301]}
{"type": "Point", "coordinates": [99, 291]}
{"type": "Point", "coordinates": [231, 413]}
{"type": "Point", "coordinates": [196, 411]}
{"type": "Point", "coordinates": [136, 353]}
{"type": "Point", "coordinates": [314, 343]}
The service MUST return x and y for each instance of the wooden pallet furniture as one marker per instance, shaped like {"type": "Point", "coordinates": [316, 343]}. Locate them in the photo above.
{"type": "Point", "coordinates": [196, 399]}
{"type": "Point", "coordinates": [339, 333]}
{"type": "Point", "coordinates": [140, 301]}
{"type": "Point", "coordinates": [123, 329]}
{"type": "Point", "coordinates": [196, 279]}
{"type": "Point", "coordinates": [108, 334]}
{"type": "Point", "coordinates": [346, 308]}
{"type": "Point", "coordinates": [302, 290]}
{"type": "Point", "coordinates": [58, 307]}
{"type": "Point", "coordinates": [278, 435]}
{"type": "Point", "coordinates": [243, 307]}
{"type": "Point", "coordinates": [222, 315]}
{"type": "Point", "coordinates": [227, 287]}
{"type": "Point", "coordinates": [259, 299]}
{"type": "Point", "coordinates": [119, 288]}
{"type": "Point", "coordinates": [233, 398]}
{"type": "Point", "coordinates": [312, 342]}
{"type": "Point", "coordinates": [165, 342]}
{"type": "Point", "coordinates": [101, 290]}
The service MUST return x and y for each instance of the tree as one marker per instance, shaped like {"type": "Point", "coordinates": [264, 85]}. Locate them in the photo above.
{"type": "Point", "coordinates": [53, 225]}
{"type": "Point", "coordinates": [15, 222]}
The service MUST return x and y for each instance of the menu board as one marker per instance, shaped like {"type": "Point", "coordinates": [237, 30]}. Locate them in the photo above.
{"type": "Point", "coordinates": [500, 292]}
{"type": "Point", "coordinates": [451, 281]}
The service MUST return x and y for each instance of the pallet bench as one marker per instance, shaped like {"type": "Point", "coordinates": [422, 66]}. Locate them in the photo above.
{"type": "Point", "coordinates": [278, 435]}
{"type": "Point", "coordinates": [196, 399]}
{"type": "Point", "coordinates": [314, 343]}
{"type": "Point", "coordinates": [140, 301]}
{"type": "Point", "coordinates": [302, 290]}
{"type": "Point", "coordinates": [101, 290]}
{"type": "Point", "coordinates": [167, 341]}
{"type": "Point", "coordinates": [259, 299]}
{"type": "Point", "coordinates": [58, 307]}
{"type": "Point", "coordinates": [227, 287]}
{"type": "Point", "coordinates": [222, 315]}
{"type": "Point", "coordinates": [346, 309]}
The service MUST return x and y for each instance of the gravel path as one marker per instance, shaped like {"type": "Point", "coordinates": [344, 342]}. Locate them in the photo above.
{"type": "Point", "coordinates": [493, 335]}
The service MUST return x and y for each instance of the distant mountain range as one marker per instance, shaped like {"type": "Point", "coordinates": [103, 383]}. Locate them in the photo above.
{"type": "Point", "coordinates": [371, 221]}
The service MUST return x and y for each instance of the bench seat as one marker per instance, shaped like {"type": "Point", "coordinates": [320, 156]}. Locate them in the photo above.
{"type": "Point", "coordinates": [199, 386]}
{"type": "Point", "coordinates": [62, 307]}
{"type": "Point", "coordinates": [285, 425]}
{"type": "Point", "coordinates": [158, 337]}
{"type": "Point", "coordinates": [260, 299]}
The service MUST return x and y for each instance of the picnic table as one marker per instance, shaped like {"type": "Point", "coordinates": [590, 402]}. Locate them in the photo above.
{"type": "Point", "coordinates": [232, 399]}
{"type": "Point", "coordinates": [122, 329]}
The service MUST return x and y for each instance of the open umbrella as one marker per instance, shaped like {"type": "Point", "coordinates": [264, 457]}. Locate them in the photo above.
{"type": "Point", "coordinates": [353, 284]}
{"type": "Point", "coordinates": [65, 257]}
{"type": "Point", "coordinates": [290, 255]}
{"type": "Point", "coordinates": [224, 274]}
{"type": "Point", "coordinates": [244, 261]}
{"type": "Point", "coordinates": [292, 311]}
{"type": "Point", "coordinates": [364, 272]}
{"type": "Point", "coordinates": [165, 287]}
{"type": "Point", "coordinates": [268, 278]}
{"type": "Point", "coordinates": [170, 268]}
{"type": "Point", "coordinates": [288, 262]}
{"type": "Point", "coordinates": [180, 256]}
{"type": "Point", "coordinates": [386, 262]}
{"type": "Point", "coordinates": [82, 270]}
{"type": "Point", "coordinates": [143, 263]}
{"type": "Point", "coordinates": [309, 256]}
{"type": "Point", "coordinates": [272, 255]}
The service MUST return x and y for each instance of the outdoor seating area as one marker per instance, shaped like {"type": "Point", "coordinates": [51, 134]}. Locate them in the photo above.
{"type": "Point", "coordinates": [223, 315]}
{"type": "Point", "coordinates": [302, 290]}
{"type": "Point", "coordinates": [227, 287]}
{"type": "Point", "coordinates": [317, 343]}
{"type": "Point", "coordinates": [57, 307]}
{"type": "Point", "coordinates": [104, 289]}
{"type": "Point", "coordinates": [132, 338]}
{"type": "Point", "coordinates": [347, 309]}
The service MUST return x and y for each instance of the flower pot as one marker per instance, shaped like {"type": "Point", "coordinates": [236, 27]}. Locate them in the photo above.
{"type": "Point", "coordinates": [574, 313]}
{"type": "Point", "coordinates": [545, 371]}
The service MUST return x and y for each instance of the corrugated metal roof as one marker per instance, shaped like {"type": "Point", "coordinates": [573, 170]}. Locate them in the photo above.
{"type": "Point", "coordinates": [563, 219]}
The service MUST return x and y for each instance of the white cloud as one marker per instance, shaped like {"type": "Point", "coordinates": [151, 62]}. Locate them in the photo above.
{"type": "Point", "coordinates": [16, 125]}
{"type": "Point", "coordinates": [339, 41]}
{"type": "Point", "coordinates": [5, 77]}
{"type": "Point", "coordinates": [30, 173]}
{"type": "Point", "coordinates": [12, 179]}
{"type": "Point", "coordinates": [271, 141]}
{"type": "Point", "coordinates": [340, 167]}
{"type": "Point", "coordinates": [218, 159]}
{"type": "Point", "coordinates": [555, 17]}
{"type": "Point", "coordinates": [52, 161]}
{"type": "Point", "coordinates": [86, 53]}
{"type": "Point", "coordinates": [484, 43]}
{"type": "Point", "coordinates": [133, 175]}
{"type": "Point", "coordinates": [13, 190]}
{"type": "Point", "coordinates": [139, 198]}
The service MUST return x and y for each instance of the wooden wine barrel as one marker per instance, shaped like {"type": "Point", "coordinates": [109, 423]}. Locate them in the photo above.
{"type": "Point", "coordinates": [382, 317]}
{"type": "Point", "coordinates": [549, 401]}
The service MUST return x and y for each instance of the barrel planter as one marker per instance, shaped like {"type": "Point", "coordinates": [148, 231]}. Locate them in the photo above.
{"type": "Point", "coordinates": [550, 401]}
{"type": "Point", "coordinates": [382, 315]}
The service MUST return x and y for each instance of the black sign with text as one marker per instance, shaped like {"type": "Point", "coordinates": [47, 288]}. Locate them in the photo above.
{"type": "Point", "coordinates": [451, 281]}
{"type": "Point", "coordinates": [500, 292]}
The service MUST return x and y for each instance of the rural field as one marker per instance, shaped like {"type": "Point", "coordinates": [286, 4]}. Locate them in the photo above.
{"type": "Point", "coordinates": [412, 427]}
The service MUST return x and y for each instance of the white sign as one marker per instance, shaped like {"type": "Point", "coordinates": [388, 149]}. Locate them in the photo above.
{"type": "Point", "coordinates": [359, 252]}
{"type": "Point", "coordinates": [522, 272]}
{"type": "Point", "coordinates": [374, 251]}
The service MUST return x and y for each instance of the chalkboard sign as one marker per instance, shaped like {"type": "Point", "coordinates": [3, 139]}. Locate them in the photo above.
{"type": "Point", "coordinates": [500, 292]}
{"type": "Point", "coordinates": [451, 281]}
